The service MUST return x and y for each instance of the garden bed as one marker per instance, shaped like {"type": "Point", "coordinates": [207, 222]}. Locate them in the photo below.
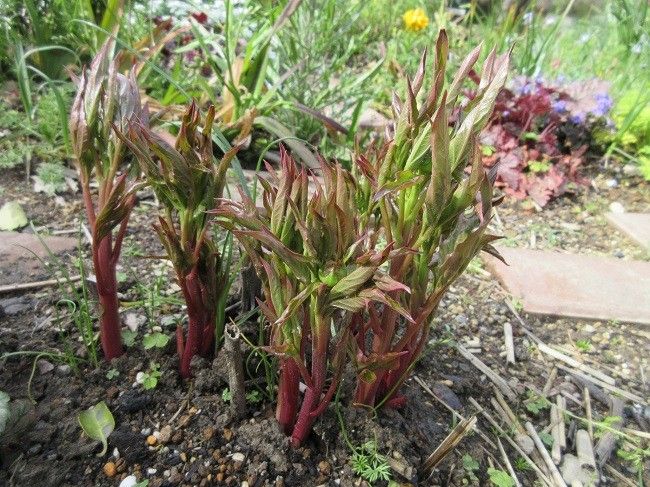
{"type": "Point", "coordinates": [184, 433]}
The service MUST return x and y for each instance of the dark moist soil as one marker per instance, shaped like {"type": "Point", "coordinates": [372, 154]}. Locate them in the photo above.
{"type": "Point", "coordinates": [198, 441]}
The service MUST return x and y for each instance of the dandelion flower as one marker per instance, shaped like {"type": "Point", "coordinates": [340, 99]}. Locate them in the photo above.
{"type": "Point", "coordinates": [415, 19]}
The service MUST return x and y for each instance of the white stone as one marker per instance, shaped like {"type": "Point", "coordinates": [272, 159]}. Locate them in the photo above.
{"type": "Point", "coordinates": [616, 207]}
{"type": "Point", "coordinates": [129, 481]}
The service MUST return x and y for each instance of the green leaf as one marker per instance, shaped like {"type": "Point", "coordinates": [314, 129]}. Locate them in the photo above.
{"type": "Point", "coordinates": [112, 374]}
{"type": "Point", "coordinates": [500, 478]}
{"type": "Point", "coordinates": [149, 381]}
{"type": "Point", "coordinates": [469, 463]}
{"type": "Point", "coordinates": [351, 283]}
{"type": "Point", "coordinates": [98, 423]}
{"type": "Point", "coordinates": [4, 410]}
{"type": "Point", "coordinates": [12, 216]}
{"type": "Point", "coordinates": [155, 340]}
{"type": "Point", "coordinates": [128, 337]}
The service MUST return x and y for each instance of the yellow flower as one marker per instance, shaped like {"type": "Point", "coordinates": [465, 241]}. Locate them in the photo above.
{"type": "Point", "coordinates": [415, 19]}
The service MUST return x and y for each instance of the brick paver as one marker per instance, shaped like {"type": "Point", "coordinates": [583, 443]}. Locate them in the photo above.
{"type": "Point", "coordinates": [18, 264]}
{"type": "Point", "coordinates": [635, 225]}
{"type": "Point", "coordinates": [578, 286]}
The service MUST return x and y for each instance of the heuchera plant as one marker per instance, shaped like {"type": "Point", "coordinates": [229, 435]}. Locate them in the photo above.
{"type": "Point", "coordinates": [188, 181]}
{"type": "Point", "coordinates": [105, 98]}
{"type": "Point", "coordinates": [429, 195]}
{"type": "Point", "coordinates": [318, 264]}
{"type": "Point", "coordinates": [539, 134]}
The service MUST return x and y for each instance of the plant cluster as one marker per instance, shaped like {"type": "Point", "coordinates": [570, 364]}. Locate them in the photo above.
{"type": "Point", "coordinates": [354, 271]}
{"type": "Point", "coordinates": [539, 134]}
{"type": "Point", "coordinates": [353, 264]}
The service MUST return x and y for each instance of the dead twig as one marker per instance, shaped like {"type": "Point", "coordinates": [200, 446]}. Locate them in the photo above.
{"type": "Point", "coordinates": [511, 470]}
{"type": "Point", "coordinates": [448, 444]}
{"type": "Point", "coordinates": [36, 284]}
{"type": "Point", "coordinates": [555, 473]}
{"type": "Point", "coordinates": [545, 480]}
{"type": "Point", "coordinates": [428, 390]}
{"type": "Point", "coordinates": [509, 343]}
{"type": "Point", "coordinates": [492, 375]}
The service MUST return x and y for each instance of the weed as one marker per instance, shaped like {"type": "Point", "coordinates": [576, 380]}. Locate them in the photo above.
{"type": "Point", "coordinates": [149, 379]}
{"type": "Point", "coordinates": [369, 464]}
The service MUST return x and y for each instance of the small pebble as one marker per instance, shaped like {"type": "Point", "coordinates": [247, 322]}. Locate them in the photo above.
{"type": "Point", "coordinates": [110, 470]}
{"type": "Point", "coordinates": [151, 440]}
{"type": "Point", "coordinates": [238, 457]}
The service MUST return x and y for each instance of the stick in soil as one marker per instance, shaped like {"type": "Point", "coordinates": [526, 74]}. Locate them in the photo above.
{"type": "Point", "coordinates": [585, 449]}
{"type": "Point", "coordinates": [509, 342]}
{"type": "Point", "coordinates": [549, 382]}
{"type": "Point", "coordinates": [461, 430]}
{"type": "Point", "coordinates": [235, 365]}
{"type": "Point", "coordinates": [561, 407]}
{"type": "Point", "coordinates": [587, 402]}
{"type": "Point", "coordinates": [491, 374]}
{"type": "Point", "coordinates": [23, 286]}
{"type": "Point", "coordinates": [556, 449]}
{"type": "Point", "coordinates": [452, 410]}
{"type": "Point", "coordinates": [555, 473]}
{"type": "Point", "coordinates": [513, 444]}
{"type": "Point", "coordinates": [607, 443]}
{"type": "Point", "coordinates": [508, 464]}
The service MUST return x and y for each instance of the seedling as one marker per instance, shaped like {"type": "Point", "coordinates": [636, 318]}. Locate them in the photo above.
{"type": "Point", "coordinates": [583, 345]}
{"type": "Point", "coordinates": [369, 464]}
{"type": "Point", "coordinates": [155, 340]}
{"type": "Point", "coordinates": [535, 403]}
{"type": "Point", "coordinates": [98, 423]}
{"type": "Point", "coordinates": [499, 478]}
{"type": "Point", "coordinates": [112, 374]}
{"type": "Point", "coordinates": [226, 395]}
{"type": "Point", "coordinates": [149, 379]}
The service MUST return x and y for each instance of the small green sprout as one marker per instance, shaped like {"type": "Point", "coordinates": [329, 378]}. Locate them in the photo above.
{"type": "Point", "coordinates": [369, 464]}
{"type": "Point", "coordinates": [583, 345]}
{"type": "Point", "coordinates": [254, 397]}
{"type": "Point", "coordinates": [128, 337]}
{"type": "Point", "coordinates": [535, 403]}
{"type": "Point", "coordinates": [155, 340]}
{"type": "Point", "coordinates": [112, 374]}
{"type": "Point", "coordinates": [226, 395]}
{"type": "Point", "coordinates": [149, 379]}
{"type": "Point", "coordinates": [500, 478]}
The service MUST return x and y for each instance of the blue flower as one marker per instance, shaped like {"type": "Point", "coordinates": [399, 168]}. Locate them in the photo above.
{"type": "Point", "coordinates": [559, 106]}
{"type": "Point", "coordinates": [578, 118]}
{"type": "Point", "coordinates": [603, 104]}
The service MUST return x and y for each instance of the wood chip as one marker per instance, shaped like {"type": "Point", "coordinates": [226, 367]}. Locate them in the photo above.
{"type": "Point", "coordinates": [555, 473]}
{"type": "Point", "coordinates": [493, 376]}
{"type": "Point", "coordinates": [461, 430]}
{"type": "Point", "coordinates": [607, 442]}
{"type": "Point", "coordinates": [36, 284]}
{"type": "Point", "coordinates": [509, 343]}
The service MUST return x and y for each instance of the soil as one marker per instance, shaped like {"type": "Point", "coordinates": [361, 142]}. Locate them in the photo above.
{"type": "Point", "coordinates": [197, 438]}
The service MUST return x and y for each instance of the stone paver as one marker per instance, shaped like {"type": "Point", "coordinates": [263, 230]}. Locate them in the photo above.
{"type": "Point", "coordinates": [635, 225]}
{"type": "Point", "coordinates": [577, 286]}
{"type": "Point", "coordinates": [18, 264]}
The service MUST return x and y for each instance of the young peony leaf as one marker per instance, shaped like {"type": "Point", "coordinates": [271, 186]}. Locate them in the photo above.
{"type": "Point", "coordinates": [354, 281]}
{"type": "Point", "coordinates": [4, 410]}
{"type": "Point", "coordinates": [155, 340]}
{"type": "Point", "coordinates": [500, 478]}
{"type": "Point", "coordinates": [98, 423]}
